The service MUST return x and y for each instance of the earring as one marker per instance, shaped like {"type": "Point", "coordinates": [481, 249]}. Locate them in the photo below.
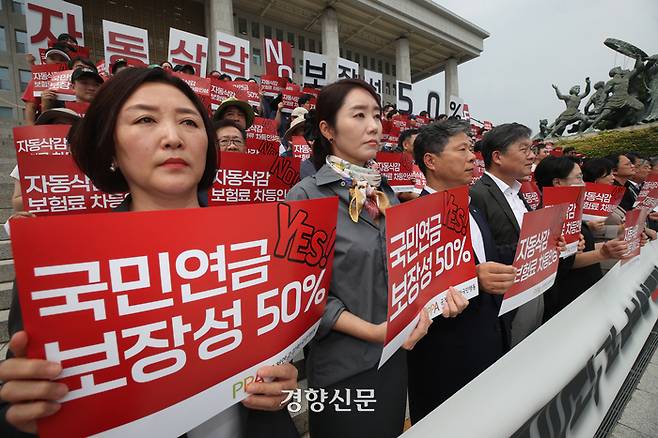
{"type": "Point", "coordinates": [113, 167]}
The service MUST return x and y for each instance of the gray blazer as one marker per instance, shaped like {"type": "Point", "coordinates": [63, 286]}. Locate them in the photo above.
{"type": "Point", "coordinates": [359, 283]}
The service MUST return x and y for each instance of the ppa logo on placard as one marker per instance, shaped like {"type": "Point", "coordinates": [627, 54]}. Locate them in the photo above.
{"type": "Point", "coordinates": [299, 241]}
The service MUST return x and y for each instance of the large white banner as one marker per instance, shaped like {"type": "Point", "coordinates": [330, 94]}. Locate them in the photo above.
{"type": "Point", "coordinates": [125, 42]}
{"type": "Point", "coordinates": [412, 103]}
{"type": "Point", "coordinates": [347, 69]}
{"type": "Point", "coordinates": [562, 379]}
{"type": "Point", "coordinates": [188, 48]}
{"type": "Point", "coordinates": [315, 69]}
{"type": "Point", "coordinates": [47, 19]}
{"type": "Point", "coordinates": [376, 80]}
{"type": "Point", "coordinates": [233, 56]}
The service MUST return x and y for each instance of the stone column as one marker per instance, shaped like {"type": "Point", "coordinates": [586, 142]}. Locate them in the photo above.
{"type": "Point", "coordinates": [330, 43]}
{"type": "Point", "coordinates": [219, 17]}
{"type": "Point", "coordinates": [402, 60]}
{"type": "Point", "coordinates": [451, 82]}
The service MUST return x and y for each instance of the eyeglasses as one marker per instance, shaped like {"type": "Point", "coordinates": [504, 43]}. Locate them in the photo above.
{"type": "Point", "coordinates": [227, 142]}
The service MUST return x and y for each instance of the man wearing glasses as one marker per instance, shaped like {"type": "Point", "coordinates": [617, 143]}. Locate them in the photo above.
{"type": "Point", "coordinates": [508, 158]}
{"type": "Point", "coordinates": [230, 136]}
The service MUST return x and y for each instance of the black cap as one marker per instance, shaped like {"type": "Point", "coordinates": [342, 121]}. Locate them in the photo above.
{"type": "Point", "coordinates": [66, 36]}
{"type": "Point", "coordinates": [86, 72]}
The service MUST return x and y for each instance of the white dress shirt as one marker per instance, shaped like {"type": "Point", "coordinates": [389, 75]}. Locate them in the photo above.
{"type": "Point", "coordinates": [512, 196]}
{"type": "Point", "coordinates": [476, 235]}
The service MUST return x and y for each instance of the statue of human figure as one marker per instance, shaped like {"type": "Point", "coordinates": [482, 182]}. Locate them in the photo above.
{"type": "Point", "coordinates": [651, 76]}
{"type": "Point", "coordinates": [543, 130]}
{"type": "Point", "coordinates": [620, 104]}
{"type": "Point", "coordinates": [596, 100]}
{"type": "Point", "coordinates": [571, 114]}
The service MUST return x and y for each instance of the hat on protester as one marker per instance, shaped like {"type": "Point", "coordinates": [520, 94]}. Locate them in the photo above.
{"type": "Point", "coordinates": [58, 49]}
{"type": "Point", "coordinates": [48, 116]}
{"type": "Point", "coordinates": [118, 63]}
{"type": "Point", "coordinates": [298, 112]}
{"type": "Point", "coordinates": [241, 104]}
{"type": "Point", "coordinates": [297, 122]}
{"type": "Point", "coordinates": [86, 72]}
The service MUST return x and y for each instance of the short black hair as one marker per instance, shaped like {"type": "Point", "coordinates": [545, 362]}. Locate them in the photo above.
{"type": "Point", "coordinates": [225, 123]}
{"type": "Point", "coordinates": [92, 141]}
{"type": "Point", "coordinates": [85, 61]}
{"type": "Point", "coordinates": [552, 167]}
{"type": "Point", "coordinates": [434, 137]}
{"type": "Point", "coordinates": [499, 139]}
{"type": "Point", "coordinates": [404, 135]}
{"type": "Point", "coordinates": [539, 146]}
{"type": "Point", "coordinates": [614, 159]}
{"type": "Point", "coordinates": [568, 149]}
{"type": "Point", "coordinates": [596, 168]}
{"type": "Point", "coordinates": [224, 77]}
{"type": "Point", "coordinates": [303, 99]}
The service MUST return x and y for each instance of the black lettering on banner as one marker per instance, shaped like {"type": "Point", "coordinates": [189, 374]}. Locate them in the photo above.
{"type": "Point", "coordinates": [433, 96]}
{"type": "Point", "coordinates": [404, 93]}
{"type": "Point", "coordinates": [565, 409]}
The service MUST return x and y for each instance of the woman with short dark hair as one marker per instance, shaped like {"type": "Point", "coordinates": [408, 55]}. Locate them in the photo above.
{"type": "Point", "coordinates": [146, 133]}
{"type": "Point", "coordinates": [343, 357]}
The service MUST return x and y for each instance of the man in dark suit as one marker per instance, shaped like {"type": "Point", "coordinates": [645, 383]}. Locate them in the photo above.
{"type": "Point", "coordinates": [623, 169]}
{"type": "Point", "coordinates": [456, 350]}
{"type": "Point", "coordinates": [508, 157]}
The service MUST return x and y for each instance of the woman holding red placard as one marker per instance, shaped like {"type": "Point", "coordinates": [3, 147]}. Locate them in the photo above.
{"type": "Point", "coordinates": [342, 360]}
{"type": "Point", "coordinates": [146, 133]}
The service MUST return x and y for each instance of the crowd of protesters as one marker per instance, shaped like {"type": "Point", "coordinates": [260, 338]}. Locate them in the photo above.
{"type": "Point", "coordinates": [139, 119]}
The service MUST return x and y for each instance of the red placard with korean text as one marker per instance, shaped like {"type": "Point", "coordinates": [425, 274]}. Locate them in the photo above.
{"type": "Point", "coordinates": [478, 167]}
{"type": "Point", "coordinates": [600, 200]}
{"type": "Point", "coordinates": [262, 137]}
{"type": "Point", "coordinates": [398, 169]}
{"type": "Point", "coordinates": [53, 184]}
{"type": "Point", "coordinates": [634, 225]}
{"type": "Point", "coordinates": [648, 196]}
{"type": "Point", "coordinates": [278, 58]}
{"type": "Point", "coordinates": [531, 193]}
{"type": "Point", "coordinates": [200, 86]}
{"type": "Point", "coordinates": [536, 256]}
{"type": "Point", "coordinates": [41, 75]}
{"type": "Point", "coordinates": [41, 140]}
{"type": "Point", "coordinates": [272, 85]}
{"type": "Point", "coordinates": [300, 148]}
{"type": "Point", "coordinates": [428, 242]}
{"type": "Point", "coordinates": [222, 90]}
{"type": "Point", "coordinates": [573, 197]}
{"type": "Point", "coordinates": [246, 178]}
{"type": "Point", "coordinates": [79, 107]}
{"type": "Point", "coordinates": [290, 99]}
{"type": "Point", "coordinates": [251, 90]}
{"type": "Point", "coordinates": [168, 325]}
{"type": "Point", "coordinates": [60, 83]}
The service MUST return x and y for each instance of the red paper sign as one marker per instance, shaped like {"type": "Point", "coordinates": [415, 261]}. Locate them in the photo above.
{"type": "Point", "coordinates": [300, 148]}
{"type": "Point", "coordinates": [53, 184]}
{"type": "Point", "coordinates": [633, 229]}
{"type": "Point", "coordinates": [531, 194]}
{"type": "Point", "coordinates": [262, 137]}
{"type": "Point", "coordinates": [536, 256]}
{"type": "Point", "coordinates": [60, 83]}
{"type": "Point", "coordinates": [251, 90]}
{"type": "Point", "coordinates": [168, 325]}
{"type": "Point", "coordinates": [245, 178]}
{"type": "Point", "coordinates": [600, 200]}
{"type": "Point", "coordinates": [478, 167]}
{"type": "Point", "coordinates": [272, 85]}
{"type": "Point", "coordinates": [290, 100]}
{"type": "Point", "coordinates": [41, 75]}
{"type": "Point", "coordinates": [41, 140]}
{"type": "Point", "coordinates": [648, 196]}
{"type": "Point", "coordinates": [573, 197]}
{"type": "Point", "coordinates": [222, 90]}
{"type": "Point", "coordinates": [398, 169]}
{"type": "Point", "coordinates": [79, 107]}
{"type": "Point", "coordinates": [429, 249]}
{"type": "Point", "coordinates": [278, 58]}
{"type": "Point", "coordinates": [200, 86]}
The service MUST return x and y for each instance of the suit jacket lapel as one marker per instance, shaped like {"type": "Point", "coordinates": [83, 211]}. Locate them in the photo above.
{"type": "Point", "coordinates": [501, 200]}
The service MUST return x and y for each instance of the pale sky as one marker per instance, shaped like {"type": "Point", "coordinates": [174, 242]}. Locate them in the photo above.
{"type": "Point", "coordinates": [535, 43]}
